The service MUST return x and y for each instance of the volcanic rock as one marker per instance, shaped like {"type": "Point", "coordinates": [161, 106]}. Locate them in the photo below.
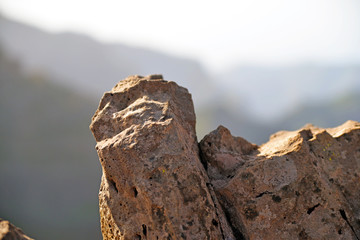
{"type": "Point", "coordinates": [9, 232]}
{"type": "Point", "coordinates": [300, 185]}
{"type": "Point", "coordinates": [153, 185]}
{"type": "Point", "coordinates": [159, 183]}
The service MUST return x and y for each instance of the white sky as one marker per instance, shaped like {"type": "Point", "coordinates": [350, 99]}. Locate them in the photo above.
{"type": "Point", "coordinates": [218, 33]}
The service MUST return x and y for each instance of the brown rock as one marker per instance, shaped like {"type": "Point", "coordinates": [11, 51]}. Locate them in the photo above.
{"type": "Point", "coordinates": [300, 185]}
{"type": "Point", "coordinates": [9, 232]}
{"type": "Point", "coordinates": [303, 184]}
{"type": "Point", "coordinates": [153, 185]}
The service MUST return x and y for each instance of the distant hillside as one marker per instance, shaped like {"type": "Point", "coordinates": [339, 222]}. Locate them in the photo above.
{"type": "Point", "coordinates": [253, 100]}
{"type": "Point", "coordinates": [87, 65]}
{"type": "Point", "coordinates": [329, 113]}
{"type": "Point", "coordinates": [324, 114]}
{"type": "Point", "coordinates": [270, 93]}
{"type": "Point", "coordinates": [49, 171]}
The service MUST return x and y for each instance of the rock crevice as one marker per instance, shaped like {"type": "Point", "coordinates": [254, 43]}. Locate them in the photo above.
{"type": "Point", "coordinates": [159, 183]}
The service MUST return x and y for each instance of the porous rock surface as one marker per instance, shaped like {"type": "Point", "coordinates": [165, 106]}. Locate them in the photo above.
{"type": "Point", "coordinates": [10, 232]}
{"type": "Point", "coordinates": [159, 183]}
{"type": "Point", "coordinates": [303, 184]}
{"type": "Point", "coordinates": [153, 184]}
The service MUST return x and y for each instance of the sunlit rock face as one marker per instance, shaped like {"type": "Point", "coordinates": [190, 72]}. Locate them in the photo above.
{"type": "Point", "coordinates": [10, 232]}
{"type": "Point", "coordinates": [153, 184]}
{"type": "Point", "coordinates": [159, 183]}
{"type": "Point", "coordinates": [300, 185]}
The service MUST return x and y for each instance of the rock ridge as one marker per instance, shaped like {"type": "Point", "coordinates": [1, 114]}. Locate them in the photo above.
{"type": "Point", "coordinates": [158, 182]}
{"type": "Point", "coordinates": [303, 183]}
{"type": "Point", "coordinates": [10, 232]}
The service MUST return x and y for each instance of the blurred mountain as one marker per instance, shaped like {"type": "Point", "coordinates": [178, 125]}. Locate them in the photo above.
{"type": "Point", "coordinates": [260, 95]}
{"type": "Point", "coordinates": [48, 165]}
{"type": "Point", "coordinates": [326, 114]}
{"type": "Point", "coordinates": [272, 92]}
{"type": "Point", "coordinates": [49, 171]}
{"type": "Point", "coordinates": [86, 65]}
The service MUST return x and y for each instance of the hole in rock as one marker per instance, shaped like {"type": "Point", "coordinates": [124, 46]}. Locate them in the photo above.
{"type": "Point", "coordinates": [303, 235]}
{"type": "Point", "coordinates": [262, 194]}
{"type": "Point", "coordinates": [144, 230]}
{"type": "Point", "coordinates": [310, 210]}
{"type": "Point", "coordinates": [276, 198]}
{"type": "Point", "coordinates": [135, 191]}
{"type": "Point", "coordinates": [214, 222]}
{"type": "Point", "coordinates": [113, 185]}
{"type": "Point", "coordinates": [343, 214]}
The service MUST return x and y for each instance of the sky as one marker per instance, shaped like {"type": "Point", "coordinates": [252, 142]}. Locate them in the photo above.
{"type": "Point", "coordinates": [220, 34]}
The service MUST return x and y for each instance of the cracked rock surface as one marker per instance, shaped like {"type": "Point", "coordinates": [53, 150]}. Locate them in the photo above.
{"type": "Point", "coordinates": [153, 185]}
{"type": "Point", "coordinates": [159, 183]}
{"type": "Point", "coordinates": [300, 185]}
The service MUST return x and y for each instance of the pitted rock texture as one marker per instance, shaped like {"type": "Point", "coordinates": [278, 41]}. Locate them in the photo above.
{"type": "Point", "coordinates": [153, 185]}
{"type": "Point", "coordinates": [158, 183]}
{"type": "Point", "coordinates": [300, 185]}
{"type": "Point", "coordinates": [9, 232]}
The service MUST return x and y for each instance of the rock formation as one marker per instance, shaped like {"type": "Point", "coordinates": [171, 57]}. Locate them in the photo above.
{"type": "Point", "coordinates": [159, 183]}
{"type": "Point", "coordinates": [153, 184]}
{"type": "Point", "coordinates": [300, 185]}
{"type": "Point", "coordinates": [9, 232]}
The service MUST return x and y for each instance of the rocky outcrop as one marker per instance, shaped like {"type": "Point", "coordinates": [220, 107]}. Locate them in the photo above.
{"type": "Point", "coordinates": [300, 185]}
{"type": "Point", "coordinates": [9, 232]}
{"type": "Point", "coordinates": [153, 185]}
{"type": "Point", "coordinates": [159, 183]}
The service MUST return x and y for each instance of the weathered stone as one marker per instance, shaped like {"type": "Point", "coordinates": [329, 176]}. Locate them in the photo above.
{"type": "Point", "coordinates": [300, 185]}
{"type": "Point", "coordinates": [10, 232]}
{"type": "Point", "coordinates": [153, 185]}
{"type": "Point", "coordinates": [157, 184]}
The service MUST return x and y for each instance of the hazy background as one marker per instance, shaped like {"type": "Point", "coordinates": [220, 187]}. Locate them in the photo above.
{"type": "Point", "coordinates": [255, 67]}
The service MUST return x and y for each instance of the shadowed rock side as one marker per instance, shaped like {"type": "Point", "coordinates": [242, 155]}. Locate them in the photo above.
{"type": "Point", "coordinates": [153, 185]}
{"type": "Point", "coordinates": [300, 185]}
{"type": "Point", "coordinates": [9, 232]}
